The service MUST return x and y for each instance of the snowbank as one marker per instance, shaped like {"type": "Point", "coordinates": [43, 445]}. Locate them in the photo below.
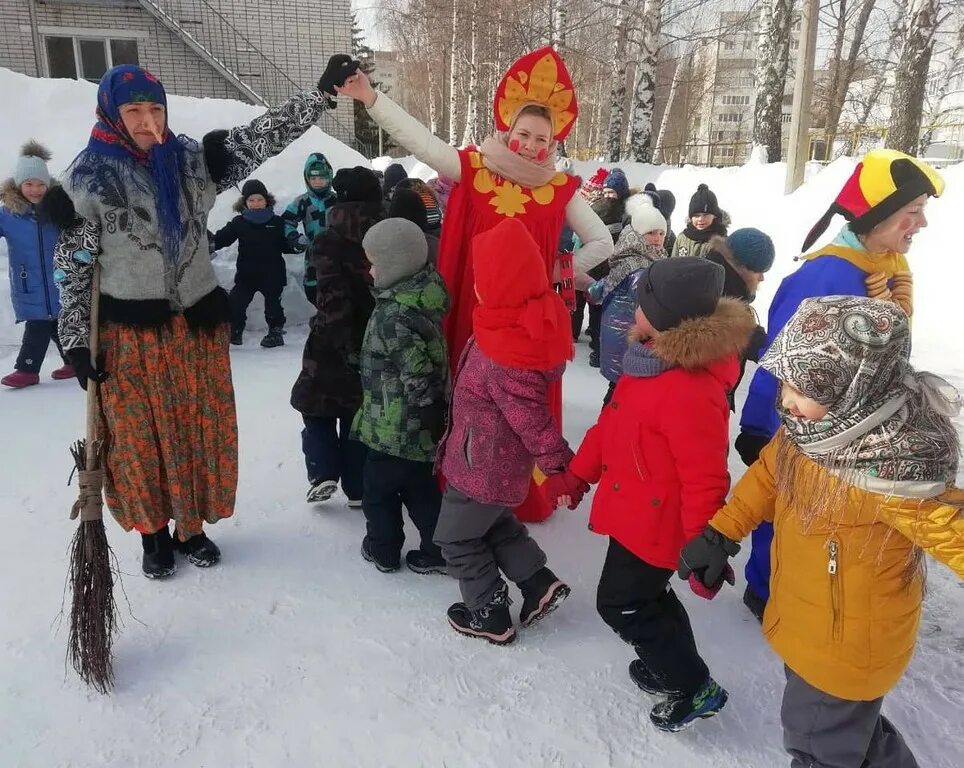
{"type": "Point", "coordinates": [60, 113]}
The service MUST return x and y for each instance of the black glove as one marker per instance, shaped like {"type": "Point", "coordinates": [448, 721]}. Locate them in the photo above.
{"type": "Point", "coordinates": [707, 556]}
{"type": "Point", "coordinates": [340, 68]}
{"type": "Point", "coordinates": [79, 358]}
{"type": "Point", "coordinates": [57, 208]}
{"type": "Point", "coordinates": [749, 445]}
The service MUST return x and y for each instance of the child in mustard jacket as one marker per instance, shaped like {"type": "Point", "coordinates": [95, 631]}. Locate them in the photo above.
{"type": "Point", "coordinates": [858, 485]}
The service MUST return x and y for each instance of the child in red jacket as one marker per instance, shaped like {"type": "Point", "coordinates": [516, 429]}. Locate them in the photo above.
{"type": "Point", "coordinates": [500, 429]}
{"type": "Point", "coordinates": [658, 454]}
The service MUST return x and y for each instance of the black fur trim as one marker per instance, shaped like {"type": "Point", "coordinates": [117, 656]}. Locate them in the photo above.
{"type": "Point", "coordinates": [144, 313]}
{"type": "Point", "coordinates": [58, 208]}
{"type": "Point", "coordinates": [216, 155]}
{"type": "Point", "coordinates": [210, 311]}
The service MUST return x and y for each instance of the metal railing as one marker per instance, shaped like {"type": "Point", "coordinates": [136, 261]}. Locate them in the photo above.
{"type": "Point", "coordinates": [211, 35]}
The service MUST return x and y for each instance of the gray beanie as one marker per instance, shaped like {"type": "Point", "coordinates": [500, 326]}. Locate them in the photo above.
{"type": "Point", "coordinates": [32, 164]}
{"type": "Point", "coordinates": [397, 249]}
{"type": "Point", "coordinates": [674, 290]}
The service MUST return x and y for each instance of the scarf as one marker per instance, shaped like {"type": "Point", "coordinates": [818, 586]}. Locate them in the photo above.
{"type": "Point", "coordinates": [111, 143]}
{"type": "Point", "coordinates": [889, 428]}
{"type": "Point", "coordinates": [702, 235]}
{"type": "Point", "coordinates": [258, 216]}
{"type": "Point", "coordinates": [502, 161]}
{"type": "Point", "coordinates": [536, 336]}
{"type": "Point", "coordinates": [632, 254]}
{"type": "Point", "coordinates": [640, 361]}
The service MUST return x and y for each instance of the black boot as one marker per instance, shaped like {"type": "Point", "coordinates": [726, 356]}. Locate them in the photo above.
{"type": "Point", "coordinates": [237, 336]}
{"type": "Point", "coordinates": [381, 565]}
{"type": "Point", "coordinates": [491, 622]}
{"type": "Point", "coordinates": [675, 714]}
{"type": "Point", "coordinates": [158, 560]}
{"type": "Point", "coordinates": [645, 680]}
{"type": "Point", "coordinates": [542, 593]}
{"type": "Point", "coordinates": [199, 549]}
{"type": "Point", "coordinates": [274, 338]}
{"type": "Point", "coordinates": [755, 603]}
{"type": "Point", "coordinates": [420, 561]}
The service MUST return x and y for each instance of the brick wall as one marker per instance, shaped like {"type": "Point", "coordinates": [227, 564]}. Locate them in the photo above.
{"type": "Point", "coordinates": [16, 39]}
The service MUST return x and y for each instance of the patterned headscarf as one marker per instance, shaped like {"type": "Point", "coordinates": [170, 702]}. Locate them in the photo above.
{"type": "Point", "coordinates": [889, 427]}
{"type": "Point", "coordinates": [109, 139]}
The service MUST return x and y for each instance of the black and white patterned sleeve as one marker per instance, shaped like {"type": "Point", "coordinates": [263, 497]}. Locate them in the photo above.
{"type": "Point", "coordinates": [233, 155]}
{"type": "Point", "coordinates": [74, 259]}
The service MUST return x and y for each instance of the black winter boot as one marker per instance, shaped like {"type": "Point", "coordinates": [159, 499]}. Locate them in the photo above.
{"type": "Point", "coordinates": [158, 560]}
{"type": "Point", "coordinates": [274, 338]}
{"type": "Point", "coordinates": [420, 561]}
{"type": "Point", "coordinates": [542, 593]}
{"type": "Point", "coordinates": [237, 336]}
{"type": "Point", "coordinates": [491, 622]}
{"type": "Point", "coordinates": [200, 550]}
{"type": "Point", "coordinates": [644, 679]}
{"type": "Point", "coordinates": [369, 556]}
{"type": "Point", "coordinates": [675, 714]}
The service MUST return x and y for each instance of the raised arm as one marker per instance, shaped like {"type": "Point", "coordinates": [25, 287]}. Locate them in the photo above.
{"type": "Point", "coordinates": [404, 128]}
{"type": "Point", "coordinates": [233, 155]}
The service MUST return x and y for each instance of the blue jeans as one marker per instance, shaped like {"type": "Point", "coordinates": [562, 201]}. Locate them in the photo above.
{"type": "Point", "coordinates": [331, 455]}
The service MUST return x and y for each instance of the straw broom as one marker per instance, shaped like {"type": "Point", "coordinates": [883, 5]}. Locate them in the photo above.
{"type": "Point", "coordinates": [92, 567]}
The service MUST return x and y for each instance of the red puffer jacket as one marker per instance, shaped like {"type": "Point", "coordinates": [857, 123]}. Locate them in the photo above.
{"type": "Point", "coordinates": [659, 449]}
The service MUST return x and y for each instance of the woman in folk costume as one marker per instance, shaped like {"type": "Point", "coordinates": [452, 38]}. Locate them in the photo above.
{"type": "Point", "coordinates": [136, 202]}
{"type": "Point", "coordinates": [512, 174]}
{"type": "Point", "coordinates": [883, 203]}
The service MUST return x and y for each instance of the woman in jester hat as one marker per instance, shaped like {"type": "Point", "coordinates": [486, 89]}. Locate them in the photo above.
{"type": "Point", "coordinates": [135, 201]}
{"type": "Point", "coordinates": [512, 174]}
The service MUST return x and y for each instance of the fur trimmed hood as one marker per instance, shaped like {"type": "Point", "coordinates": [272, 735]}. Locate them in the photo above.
{"type": "Point", "coordinates": [700, 341]}
{"type": "Point", "coordinates": [12, 198]}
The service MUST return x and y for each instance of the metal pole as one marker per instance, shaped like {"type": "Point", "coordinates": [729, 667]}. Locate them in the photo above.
{"type": "Point", "coordinates": [381, 143]}
{"type": "Point", "coordinates": [802, 96]}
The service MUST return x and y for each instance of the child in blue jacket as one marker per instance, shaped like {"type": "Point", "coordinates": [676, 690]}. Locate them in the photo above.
{"type": "Point", "coordinates": [30, 249]}
{"type": "Point", "coordinates": [310, 212]}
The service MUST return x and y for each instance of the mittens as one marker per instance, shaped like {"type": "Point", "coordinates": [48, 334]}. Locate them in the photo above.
{"type": "Point", "coordinates": [58, 208]}
{"type": "Point", "coordinates": [704, 562]}
{"type": "Point", "coordinates": [565, 483]}
{"type": "Point", "coordinates": [340, 68]}
{"type": "Point", "coordinates": [79, 358]}
{"type": "Point", "coordinates": [749, 445]}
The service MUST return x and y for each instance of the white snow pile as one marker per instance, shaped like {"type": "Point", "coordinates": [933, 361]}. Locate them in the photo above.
{"type": "Point", "coordinates": [294, 652]}
{"type": "Point", "coordinates": [60, 114]}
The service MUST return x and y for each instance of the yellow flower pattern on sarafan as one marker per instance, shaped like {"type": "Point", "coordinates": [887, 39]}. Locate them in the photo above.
{"type": "Point", "coordinates": [509, 199]}
{"type": "Point", "coordinates": [540, 77]}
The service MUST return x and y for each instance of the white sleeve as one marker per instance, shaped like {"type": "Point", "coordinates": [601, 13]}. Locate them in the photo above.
{"type": "Point", "coordinates": [597, 243]}
{"type": "Point", "coordinates": [415, 137]}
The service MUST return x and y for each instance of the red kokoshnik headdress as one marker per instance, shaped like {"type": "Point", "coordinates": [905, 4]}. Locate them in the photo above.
{"type": "Point", "coordinates": [540, 78]}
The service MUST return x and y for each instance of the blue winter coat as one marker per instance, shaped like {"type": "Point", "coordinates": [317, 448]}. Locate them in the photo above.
{"type": "Point", "coordinates": [618, 316]}
{"type": "Point", "coordinates": [30, 250]}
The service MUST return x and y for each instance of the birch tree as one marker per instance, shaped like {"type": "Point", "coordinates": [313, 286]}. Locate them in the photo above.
{"type": "Point", "coordinates": [617, 86]}
{"type": "Point", "coordinates": [771, 76]}
{"type": "Point", "coordinates": [454, 76]}
{"type": "Point", "coordinates": [644, 92]}
{"type": "Point", "coordinates": [842, 72]}
{"type": "Point", "coordinates": [907, 104]}
{"type": "Point", "coordinates": [472, 108]}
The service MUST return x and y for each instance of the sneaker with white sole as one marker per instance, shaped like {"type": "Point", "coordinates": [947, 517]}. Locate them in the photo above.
{"type": "Point", "coordinates": [322, 490]}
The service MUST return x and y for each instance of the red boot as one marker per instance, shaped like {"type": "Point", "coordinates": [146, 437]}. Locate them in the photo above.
{"type": "Point", "coordinates": [20, 379]}
{"type": "Point", "coordinates": [65, 372]}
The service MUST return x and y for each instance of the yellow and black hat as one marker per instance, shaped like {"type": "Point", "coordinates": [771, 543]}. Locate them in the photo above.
{"type": "Point", "coordinates": [882, 183]}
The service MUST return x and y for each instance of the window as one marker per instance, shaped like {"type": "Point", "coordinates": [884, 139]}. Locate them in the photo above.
{"type": "Point", "coordinates": [728, 45]}
{"type": "Point", "coordinates": [725, 153]}
{"type": "Point", "coordinates": [786, 118]}
{"type": "Point", "coordinates": [731, 117]}
{"type": "Point", "coordinates": [737, 101]}
{"type": "Point", "coordinates": [87, 58]}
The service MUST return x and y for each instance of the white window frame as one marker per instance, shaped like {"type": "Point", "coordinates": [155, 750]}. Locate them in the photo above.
{"type": "Point", "coordinates": [76, 34]}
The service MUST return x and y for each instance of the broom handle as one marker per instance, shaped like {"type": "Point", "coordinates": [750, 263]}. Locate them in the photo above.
{"type": "Point", "coordinates": [93, 411]}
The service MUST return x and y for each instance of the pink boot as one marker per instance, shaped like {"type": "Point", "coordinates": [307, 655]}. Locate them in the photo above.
{"type": "Point", "coordinates": [20, 379]}
{"type": "Point", "coordinates": [65, 372]}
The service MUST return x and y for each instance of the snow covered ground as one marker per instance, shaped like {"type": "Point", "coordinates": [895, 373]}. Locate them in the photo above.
{"type": "Point", "coordinates": [295, 652]}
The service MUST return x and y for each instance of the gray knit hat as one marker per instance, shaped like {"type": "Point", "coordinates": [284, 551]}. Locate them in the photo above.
{"type": "Point", "coordinates": [32, 164]}
{"type": "Point", "coordinates": [397, 249]}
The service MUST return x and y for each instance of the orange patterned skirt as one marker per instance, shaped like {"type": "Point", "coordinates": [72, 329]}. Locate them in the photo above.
{"type": "Point", "coordinates": [170, 424]}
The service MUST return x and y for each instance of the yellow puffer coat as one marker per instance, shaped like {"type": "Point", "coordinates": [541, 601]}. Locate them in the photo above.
{"type": "Point", "coordinates": [842, 613]}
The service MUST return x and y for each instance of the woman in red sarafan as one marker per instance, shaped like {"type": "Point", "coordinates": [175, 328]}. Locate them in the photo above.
{"type": "Point", "coordinates": [509, 175]}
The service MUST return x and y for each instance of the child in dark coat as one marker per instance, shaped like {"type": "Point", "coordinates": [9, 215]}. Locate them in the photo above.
{"type": "Point", "coordinates": [404, 374]}
{"type": "Point", "coordinates": [705, 221]}
{"type": "Point", "coordinates": [328, 391]}
{"type": "Point", "coordinates": [259, 233]}
{"type": "Point", "coordinates": [658, 453]}
{"type": "Point", "coordinates": [501, 428]}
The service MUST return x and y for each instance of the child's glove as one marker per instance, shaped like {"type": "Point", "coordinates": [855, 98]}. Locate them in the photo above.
{"type": "Point", "coordinates": [749, 445]}
{"type": "Point", "coordinates": [565, 483]}
{"type": "Point", "coordinates": [79, 358]}
{"type": "Point", "coordinates": [58, 208]}
{"type": "Point", "coordinates": [340, 68]}
{"type": "Point", "coordinates": [704, 562]}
